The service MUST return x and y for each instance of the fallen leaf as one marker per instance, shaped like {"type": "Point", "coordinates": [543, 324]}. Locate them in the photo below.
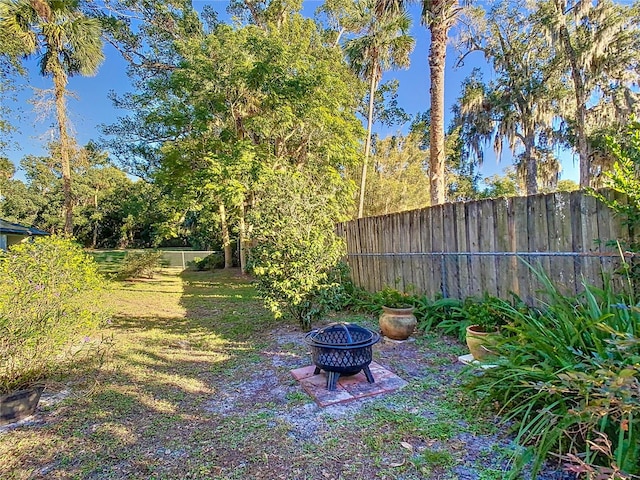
{"type": "Point", "coordinates": [406, 445]}
{"type": "Point", "coordinates": [397, 464]}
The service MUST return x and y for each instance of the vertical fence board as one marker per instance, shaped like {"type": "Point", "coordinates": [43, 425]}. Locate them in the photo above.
{"type": "Point", "coordinates": [539, 235]}
{"type": "Point", "coordinates": [390, 247]}
{"type": "Point", "coordinates": [368, 263]}
{"type": "Point", "coordinates": [576, 235]}
{"type": "Point", "coordinates": [381, 279]}
{"type": "Point", "coordinates": [462, 239]}
{"type": "Point", "coordinates": [414, 247]}
{"type": "Point", "coordinates": [520, 231]}
{"type": "Point", "coordinates": [407, 271]}
{"type": "Point", "coordinates": [357, 243]}
{"type": "Point", "coordinates": [402, 272]}
{"type": "Point", "coordinates": [487, 243]}
{"type": "Point", "coordinates": [559, 213]}
{"type": "Point", "coordinates": [346, 229]}
{"type": "Point", "coordinates": [449, 244]}
{"type": "Point", "coordinates": [427, 247]}
{"type": "Point", "coordinates": [504, 269]}
{"type": "Point", "coordinates": [398, 281]}
{"type": "Point", "coordinates": [353, 249]}
{"type": "Point", "coordinates": [590, 239]}
{"type": "Point", "coordinates": [475, 262]}
{"type": "Point", "coordinates": [437, 240]}
{"type": "Point", "coordinates": [392, 241]}
{"type": "Point", "coordinates": [605, 234]}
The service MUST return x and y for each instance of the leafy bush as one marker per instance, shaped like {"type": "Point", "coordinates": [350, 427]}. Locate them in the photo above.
{"type": "Point", "coordinates": [488, 312]}
{"type": "Point", "coordinates": [569, 378]}
{"type": "Point", "coordinates": [338, 294]}
{"type": "Point", "coordinates": [361, 300]}
{"type": "Point", "coordinates": [392, 298]}
{"type": "Point", "coordinates": [45, 309]}
{"type": "Point", "coordinates": [210, 262]}
{"type": "Point", "coordinates": [430, 313]}
{"type": "Point", "coordinates": [624, 178]}
{"type": "Point", "coordinates": [140, 264]}
{"type": "Point", "coordinates": [295, 247]}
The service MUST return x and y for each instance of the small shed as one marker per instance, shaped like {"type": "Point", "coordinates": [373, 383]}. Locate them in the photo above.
{"type": "Point", "coordinates": [12, 233]}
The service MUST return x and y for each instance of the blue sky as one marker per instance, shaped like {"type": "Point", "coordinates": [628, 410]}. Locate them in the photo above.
{"type": "Point", "coordinates": [91, 106]}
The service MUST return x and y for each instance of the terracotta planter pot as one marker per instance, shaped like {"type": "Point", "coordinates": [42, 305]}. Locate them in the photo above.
{"type": "Point", "coordinates": [477, 340]}
{"type": "Point", "coordinates": [397, 323]}
{"type": "Point", "coordinates": [18, 405]}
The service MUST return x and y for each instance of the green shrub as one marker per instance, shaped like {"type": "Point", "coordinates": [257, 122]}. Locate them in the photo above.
{"type": "Point", "coordinates": [363, 301]}
{"type": "Point", "coordinates": [569, 377]}
{"type": "Point", "coordinates": [46, 310]}
{"type": "Point", "coordinates": [295, 248]}
{"type": "Point", "coordinates": [360, 300]}
{"type": "Point", "coordinates": [338, 294]}
{"type": "Point", "coordinates": [210, 262]}
{"type": "Point", "coordinates": [431, 313]}
{"type": "Point", "coordinates": [488, 312]}
{"type": "Point", "coordinates": [624, 178]}
{"type": "Point", "coordinates": [140, 264]}
{"type": "Point", "coordinates": [393, 298]}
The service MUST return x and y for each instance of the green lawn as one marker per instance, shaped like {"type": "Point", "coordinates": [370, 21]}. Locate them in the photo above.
{"type": "Point", "coordinates": [108, 260]}
{"type": "Point", "coordinates": [197, 385]}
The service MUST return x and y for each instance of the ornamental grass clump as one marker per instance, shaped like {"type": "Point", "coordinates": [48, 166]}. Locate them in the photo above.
{"type": "Point", "coordinates": [569, 380]}
{"type": "Point", "coordinates": [47, 315]}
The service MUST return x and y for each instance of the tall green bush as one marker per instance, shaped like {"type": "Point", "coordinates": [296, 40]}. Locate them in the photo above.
{"type": "Point", "coordinates": [569, 378]}
{"type": "Point", "coordinates": [624, 178]}
{"type": "Point", "coordinates": [46, 311]}
{"type": "Point", "coordinates": [625, 175]}
{"type": "Point", "coordinates": [295, 248]}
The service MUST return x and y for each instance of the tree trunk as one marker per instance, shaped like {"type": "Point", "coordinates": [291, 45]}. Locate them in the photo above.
{"type": "Point", "coordinates": [531, 169]}
{"type": "Point", "coordinates": [226, 240]}
{"type": "Point", "coordinates": [94, 240]}
{"type": "Point", "coordinates": [340, 33]}
{"type": "Point", "coordinates": [437, 58]}
{"type": "Point", "coordinates": [367, 145]}
{"type": "Point", "coordinates": [242, 239]}
{"type": "Point", "coordinates": [60, 83]}
{"type": "Point", "coordinates": [582, 145]}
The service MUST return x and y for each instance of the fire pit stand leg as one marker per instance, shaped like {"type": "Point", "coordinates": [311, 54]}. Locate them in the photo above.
{"type": "Point", "coordinates": [332, 380]}
{"type": "Point", "coordinates": [368, 374]}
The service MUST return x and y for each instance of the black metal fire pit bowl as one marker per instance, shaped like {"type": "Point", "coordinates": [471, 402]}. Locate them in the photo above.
{"type": "Point", "coordinates": [342, 349]}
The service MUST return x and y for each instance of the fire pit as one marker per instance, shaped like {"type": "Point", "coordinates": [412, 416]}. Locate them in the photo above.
{"type": "Point", "coordinates": [342, 349]}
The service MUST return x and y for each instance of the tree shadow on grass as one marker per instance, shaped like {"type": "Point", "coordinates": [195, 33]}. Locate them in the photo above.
{"type": "Point", "coordinates": [155, 408]}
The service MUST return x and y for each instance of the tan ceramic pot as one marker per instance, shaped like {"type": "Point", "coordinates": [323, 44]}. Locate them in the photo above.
{"type": "Point", "coordinates": [397, 323]}
{"type": "Point", "coordinates": [477, 340]}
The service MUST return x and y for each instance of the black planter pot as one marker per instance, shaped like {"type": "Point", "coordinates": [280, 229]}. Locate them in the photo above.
{"type": "Point", "coordinates": [18, 405]}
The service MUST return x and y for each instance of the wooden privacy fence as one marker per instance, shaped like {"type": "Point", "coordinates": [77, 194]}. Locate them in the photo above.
{"type": "Point", "coordinates": [469, 248]}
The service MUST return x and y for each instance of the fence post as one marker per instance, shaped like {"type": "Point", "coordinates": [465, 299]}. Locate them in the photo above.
{"type": "Point", "coordinates": [183, 265]}
{"type": "Point", "coordinates": [443, 264]}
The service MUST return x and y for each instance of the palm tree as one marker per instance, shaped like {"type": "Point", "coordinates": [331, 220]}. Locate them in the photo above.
{"type": "Point", "coordinates": [384, 44]}
{"type": "Point", "coordinates": [438, 16]}
{"type": "Point", "coordinates": [68, 43]}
